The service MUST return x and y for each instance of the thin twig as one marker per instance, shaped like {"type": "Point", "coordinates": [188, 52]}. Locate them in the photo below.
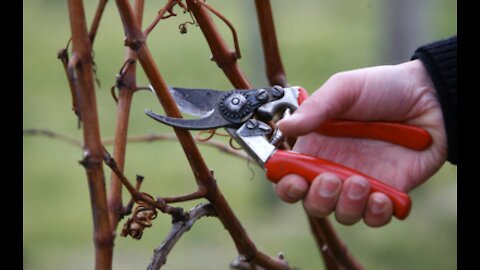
{"type": "Point", "coordinates": [186, 197]}
{"type": "Point", "coordinates": [63, 56]}
{"type": "Point", "coordinates": [52, 135]}
{"type": "Point", "coordinates": [168, 7]}
{"type": "Point", "coordinates": [133, 139]}
{"type": "Point", "coordinates": [96, 19]}
{"type": "Point", "coordinates": [178, 229]}
{"type": "Point", "coordinates": [228, 23]}
{"type": "Point", "coordinates": [171, 137]}
{"type": "Point", "coordinates": [128, 208]}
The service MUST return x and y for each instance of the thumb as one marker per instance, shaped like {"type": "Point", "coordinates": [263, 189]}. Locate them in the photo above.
{"type": "Point", "coordinates": [332, 99]}
{"type": "Point", "coordinates": [297, 124]}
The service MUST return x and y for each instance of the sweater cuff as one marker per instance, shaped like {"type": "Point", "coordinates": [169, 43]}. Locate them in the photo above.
{"type": "Point", "coordinates": [440, 60]}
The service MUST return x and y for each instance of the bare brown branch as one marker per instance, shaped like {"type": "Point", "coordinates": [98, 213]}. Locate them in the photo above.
{"type": "Point", "coordinates": [126, 83]}
{"type": "Point", "coordinates": [136, 40]}
{"type": "Point", "coordinates": [80, 72]}
{"type": "Point", "coordinates": [228, 23]}
{"type": "Point", "coordinates": [222, 55]}
{"type": "Point", "coordinates": [335, 253]}
{"type": "Point", "coordinates": [178, 229]}
{"type": "Point", "coordinates": [273, 61]}
{"type": "Point", "coordinates": [82, 67]}
{"type": "Point", "coordinates": [274, 66]}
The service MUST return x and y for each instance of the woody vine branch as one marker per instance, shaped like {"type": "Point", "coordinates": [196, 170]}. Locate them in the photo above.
{"type": "Point", "coordinates": [108, 209]}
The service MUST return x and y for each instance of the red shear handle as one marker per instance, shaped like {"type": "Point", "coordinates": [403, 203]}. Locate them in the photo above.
{"type": "Point", "coordinates": [398, 133]}
{"type": "Point", "coordinates": [282, 163]}
{"type": "Point", "coordinates": [405, 135]}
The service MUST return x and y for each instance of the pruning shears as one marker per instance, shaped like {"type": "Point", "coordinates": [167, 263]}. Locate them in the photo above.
{"type": "Point", "coordinates": [244, 113]}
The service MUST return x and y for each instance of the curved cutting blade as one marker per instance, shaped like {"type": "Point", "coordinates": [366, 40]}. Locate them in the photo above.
{"type": "Point", "coordinates": [214, 120]}
{"type": "Point", "coordinates": [196, 102]}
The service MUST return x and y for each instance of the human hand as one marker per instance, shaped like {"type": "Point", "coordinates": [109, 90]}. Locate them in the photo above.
{"type": "Point", "coordinates": [397, 93]}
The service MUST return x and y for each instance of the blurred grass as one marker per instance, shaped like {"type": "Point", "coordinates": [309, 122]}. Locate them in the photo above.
{"type": "Point", "coordinates": [317, 39]}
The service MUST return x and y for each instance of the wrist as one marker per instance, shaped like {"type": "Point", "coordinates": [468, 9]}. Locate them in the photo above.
{"type": "Point", "coordinates": [417, 70]}
{"type": "Point", "coordinates": [440, 60]}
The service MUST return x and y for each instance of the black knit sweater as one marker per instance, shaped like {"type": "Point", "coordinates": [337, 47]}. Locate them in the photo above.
{"type": "Point", "coordinates": [440, 60]}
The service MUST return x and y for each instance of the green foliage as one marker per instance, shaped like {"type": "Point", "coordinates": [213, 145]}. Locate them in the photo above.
{"type": "Point", "coordinates": [317, 39]}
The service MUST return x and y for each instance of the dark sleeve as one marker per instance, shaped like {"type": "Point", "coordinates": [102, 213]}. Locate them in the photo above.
{"type": "Point", "coordinates": [440, 60]}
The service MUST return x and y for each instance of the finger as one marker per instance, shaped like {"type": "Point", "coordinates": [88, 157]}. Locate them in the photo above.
{"type": "Point", "coordinates": [379, 210]}
{"type": "Point", "coordinates": [291, 188]}
{"type": "Point", "coordinates": [323, 195]}
{"type": "Point", "coordinates": [353, 200]}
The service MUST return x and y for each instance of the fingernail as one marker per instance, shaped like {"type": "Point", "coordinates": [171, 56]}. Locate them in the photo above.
{"type": "Point", "coordinates": [292, 118]}
{"type": "Point", "coordinates": [295, 192]}
{"type": "Point", "coordinates": [357, 189]}
{"type": "Point", "coordinates": [377, 206]}
{"type": "Point", "coordinates": [329, 187]}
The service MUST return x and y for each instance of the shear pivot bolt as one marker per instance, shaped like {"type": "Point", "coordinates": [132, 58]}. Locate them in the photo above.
{"type": "Point", "coordinates": [277, 91]}
{"type": "Point", "coordinates": [262, 95]}
{"type": "Point", "coordinates": [235, 102]}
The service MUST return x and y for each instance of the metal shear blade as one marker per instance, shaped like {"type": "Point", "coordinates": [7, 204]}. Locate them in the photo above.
{"type": "Point", "coordinates": [218, 108]}
{"type": "Point", "coordinates": [196, 102]}
{"type": "Point", "coordinates": [214, 120]}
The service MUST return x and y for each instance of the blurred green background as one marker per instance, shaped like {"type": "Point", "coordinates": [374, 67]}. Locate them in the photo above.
{"type": "Point", "coordinates": [317, 38]}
